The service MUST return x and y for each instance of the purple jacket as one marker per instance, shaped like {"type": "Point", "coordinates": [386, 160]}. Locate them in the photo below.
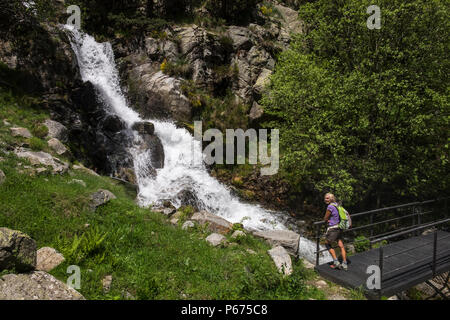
{"type": "Point", "coordinates": [334, 217]}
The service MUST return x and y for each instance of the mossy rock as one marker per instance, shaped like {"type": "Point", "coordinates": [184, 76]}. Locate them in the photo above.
{"type": "Point", "coordinates": [17, 251]}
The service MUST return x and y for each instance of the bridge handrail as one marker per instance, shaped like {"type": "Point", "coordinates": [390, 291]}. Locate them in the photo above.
{"type": "Point", "coordinates": [408, 229]}
{"type": "Point", "coordinates": [389, 208]}
{"type": "Point", "coordinates": [423, 226]}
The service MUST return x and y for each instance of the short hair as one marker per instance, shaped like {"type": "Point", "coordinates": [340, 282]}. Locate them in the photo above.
{"type": "Point", "coordinates": [333, 198]}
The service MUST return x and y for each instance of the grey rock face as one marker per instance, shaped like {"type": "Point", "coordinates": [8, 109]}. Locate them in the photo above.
{"type": "Point", "coordinates": [287, 239]}
{"type": "Point", "coordinates": [48, 259]}
{"type": "Point", "coordinates": [144, 127]}
{"type": "Point", "coordinates": [216, 239]}
{"type": "Point", "coordinates": [42, 158]}
{"type": "Point", "coordinates": [56, 130]}
{"type": "Point", "coordinates": [215, 223]}
{"type": "Point", "coordinates": [17, 250]}
{"type": "Point", "coordinates": [256, 112]}
{"type": "Point", "coordinates": [37, 285]}
{"type": "Point", "coordinates": [187, 225]}
{"type": "Point", "coordinates": [57, 146]}
{"type": "Point", "coordinates": [101, 197]}
{"type": "Point", "coordinates": [281, 259]}
{"type": "Point", "coordinates": [20, 132]}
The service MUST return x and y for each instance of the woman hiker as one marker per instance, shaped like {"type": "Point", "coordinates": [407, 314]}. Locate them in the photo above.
{"type": "Point", "coordinates": [334, 233]}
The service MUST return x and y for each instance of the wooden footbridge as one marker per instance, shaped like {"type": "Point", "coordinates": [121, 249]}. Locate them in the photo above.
{"type": "Point", "coordinates": [405, 245]}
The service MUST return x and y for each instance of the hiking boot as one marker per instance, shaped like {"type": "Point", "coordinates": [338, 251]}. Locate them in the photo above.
{"type": "Point", "coordinates": [344, 266]}
{"type": "Point", "coordinates": [336, 265]}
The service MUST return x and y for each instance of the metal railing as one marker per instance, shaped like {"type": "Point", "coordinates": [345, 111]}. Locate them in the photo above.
{"type": "Point", "coordinates": [416, 215]}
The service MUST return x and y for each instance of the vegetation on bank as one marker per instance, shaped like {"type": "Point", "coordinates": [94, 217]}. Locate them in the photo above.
{"type": "Point", "coordinates": [147, 256]}
{"type": "Point", "coordinates": [365, 113]}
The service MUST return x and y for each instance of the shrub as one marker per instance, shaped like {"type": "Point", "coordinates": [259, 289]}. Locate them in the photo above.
{"type": "Point", "coordinates": [37, 144]}
{"type": "Point", "coordinates": [361, 244]}
{"type": "Point", "coordinates": [89, 244]}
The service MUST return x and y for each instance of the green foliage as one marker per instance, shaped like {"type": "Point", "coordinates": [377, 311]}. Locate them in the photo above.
{"type": "Point", "coordinates": [37, 144]}
{"type": "Point", "coordinates": [39, 130]}
{"type": "Point", "coordinates": [361, 244]}
{"type": "Point", "coordinates": [363, 113]}
{"type": "Point", "coordinates": [179, 68]}
{"type": "Point", "coordinates": [89, 245]}
{"type": "Point", "coordinates": [233, 11]}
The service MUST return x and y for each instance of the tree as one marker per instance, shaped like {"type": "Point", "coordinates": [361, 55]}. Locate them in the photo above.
{"type": "Point", "coordinates": [365, 113]}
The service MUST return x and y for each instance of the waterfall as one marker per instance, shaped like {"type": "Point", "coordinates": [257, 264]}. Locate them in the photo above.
{"type": "Point", "coordinates": [180, 171]}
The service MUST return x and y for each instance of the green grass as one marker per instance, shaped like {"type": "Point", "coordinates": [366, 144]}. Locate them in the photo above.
{"type": "Point", "coordinates": [147, 256]}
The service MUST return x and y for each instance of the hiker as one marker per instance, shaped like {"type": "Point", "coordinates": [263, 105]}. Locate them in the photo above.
{"type": "Point", "coordinates": [334, 233]}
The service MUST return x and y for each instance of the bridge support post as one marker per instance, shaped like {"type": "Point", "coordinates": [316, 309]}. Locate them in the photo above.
{"type": "Point", "coordinates": [434, 253]}
{"type": "Point", "coordinates": [380, 265]}
{"type": "Point", "coordinates": [317, 245]}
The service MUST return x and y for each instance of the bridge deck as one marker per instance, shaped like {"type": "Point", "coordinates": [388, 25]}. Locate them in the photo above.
{"type": "Point", "coordinates": [415, 265]}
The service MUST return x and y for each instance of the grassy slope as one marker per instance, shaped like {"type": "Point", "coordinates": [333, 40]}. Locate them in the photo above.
{"type": "Point", "coordinates": [148, 257]}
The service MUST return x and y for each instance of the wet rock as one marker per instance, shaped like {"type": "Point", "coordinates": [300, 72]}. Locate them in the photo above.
{"type": "Point", "coordinates": [20, 132]}
{"type": "Point", "coordinates": [187, 197]}
{"type": "Point", "coordinates": [287, 239]}
{"type": "Point", "coordinates": [17, 250]}
{"type": "Point", "coordinates": [113, 123]}
{"type": "Point", "coordinates": [48, 259]}
{"type": "Point", "coordinates": [281, 259]}
{"type": "Point", "coordinates": [101, 197]}
{"type": "Point", "coordinates": [216, 239]}
{"type": "Point", "coordinates": [144, 128]}
{"type": "Point", "coordinates": [37, 285]}
{"type": "Point", "coordinates": [128, 174]}
{"type": "Point", "coordinates": [56, 130]}
{"type": "Point", "coordinates": [154, 146]}
{"type": "Point", "coordinates": [214, 223]}
{"type": "Point", "coordinates": [57, 146]}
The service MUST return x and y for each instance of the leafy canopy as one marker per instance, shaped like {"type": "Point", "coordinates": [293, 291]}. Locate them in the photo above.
{"type": "Point", "coordinates": [365, 113]}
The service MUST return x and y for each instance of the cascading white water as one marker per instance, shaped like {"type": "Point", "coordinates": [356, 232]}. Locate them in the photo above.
{"type": "Point", "coordinates": [180, 171]}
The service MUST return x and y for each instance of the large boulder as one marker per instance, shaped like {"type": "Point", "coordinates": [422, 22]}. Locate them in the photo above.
{"type": "Point", "coordinates": [144, 127]}
{"type": "Point", "coordinates": [20, 132]}
{"type": "Point", "coordinates": [216, 239]}
{"type": "Point", "coordinates": [157, 95]}
{"type": "Point", "coordinates": [56, 130]}
{"type": "Point", "coordinates": [100, 198]}
{"type": "Point", "coordinates": [153, 145]}
{"type": "Point", "coordinates": [48, 259]}
{"type": "Point", "coordinates": [262, 81]}
{"type": "Point", "coordinates": [17, 251]}
{"type": "Point", "coordinates": [215, 223]}
{"type": "Point", "coordinates": [241, 37]}
{"type": "Point", "coordinates": [57, 146]}
{"type": "Point", "coordinates": [37, 285]}
{"type": "Point", "coordinates": [281, 259]}
{"type": "Point", "coordinates": [42, 158]}
{"type": "Point", "coordinates": [288, 239]}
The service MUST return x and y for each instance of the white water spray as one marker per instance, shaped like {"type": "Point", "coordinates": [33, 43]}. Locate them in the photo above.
{"type": "Point", "coordinates": [97, 65]}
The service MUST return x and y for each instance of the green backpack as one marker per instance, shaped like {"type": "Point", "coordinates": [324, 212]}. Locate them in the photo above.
{"type": "Point", "coordinates": [345, 222]}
